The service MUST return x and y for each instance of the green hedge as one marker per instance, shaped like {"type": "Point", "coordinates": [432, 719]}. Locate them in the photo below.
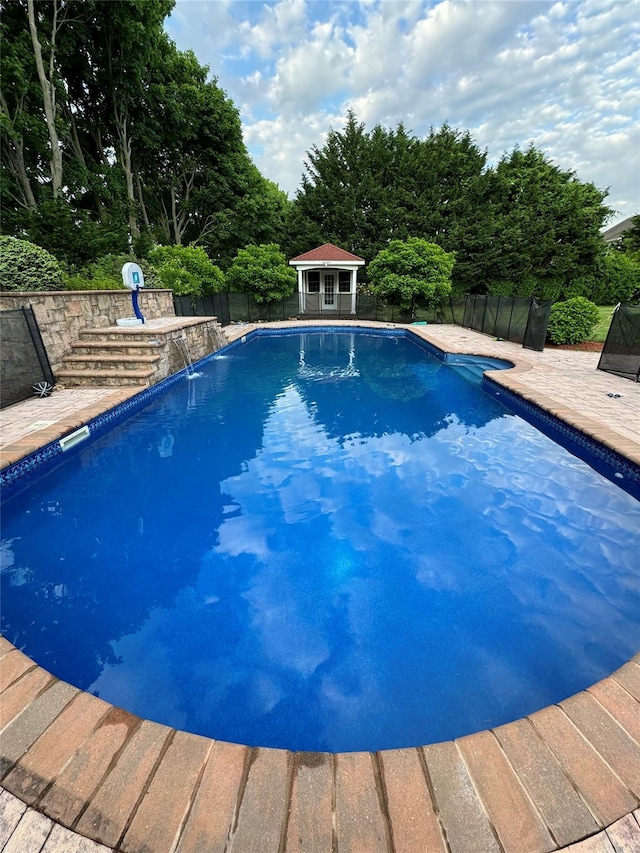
{"type": "Point", "coordinates": [106, 274]}
{"type": "Point", "coordinates": [25, 266]}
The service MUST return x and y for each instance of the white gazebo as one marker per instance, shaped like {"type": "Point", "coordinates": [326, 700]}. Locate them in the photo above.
{"type": "Point", "coordinates": [327, 280]}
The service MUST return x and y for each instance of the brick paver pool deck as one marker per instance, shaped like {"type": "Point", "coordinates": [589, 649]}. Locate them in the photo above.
{"type": "Point", "coordinates": [80, 775]}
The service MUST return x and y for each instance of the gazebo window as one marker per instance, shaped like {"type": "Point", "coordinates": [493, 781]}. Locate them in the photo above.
{"type": "Point", "coordinates": [313, 281]}
{"type": "Point", "coordinates": [344, 282]}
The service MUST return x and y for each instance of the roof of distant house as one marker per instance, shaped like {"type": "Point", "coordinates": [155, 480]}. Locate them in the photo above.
{"type": "Point", "coordinates": [327, 252]}
{"type": "Point", "coordinates": [616, 231]}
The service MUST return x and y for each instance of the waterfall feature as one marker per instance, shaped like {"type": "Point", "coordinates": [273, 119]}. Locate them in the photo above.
{"type": "Point", "coordinates": [183, 349]}
{"type": "Point", "coordinates": [217, 337]}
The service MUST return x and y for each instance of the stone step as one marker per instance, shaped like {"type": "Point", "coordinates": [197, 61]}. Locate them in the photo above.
{"type": "Point", "coordinates": [124, 337]}
{"type": "Point", "coordinates": [123, 346]}
{"type": "Point", "coordinates": [96, 359]}
{"type": "Point", "coordinates": [71, 377]}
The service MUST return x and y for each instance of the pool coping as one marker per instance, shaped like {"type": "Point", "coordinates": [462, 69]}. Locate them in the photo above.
{"type": "Point", "coordinates": [546, 781]}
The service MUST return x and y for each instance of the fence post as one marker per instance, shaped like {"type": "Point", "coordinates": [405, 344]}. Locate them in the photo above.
{"type": "Point", "coordinates": [526, 328]}
{"type": "Point", "coordinates": [484, 313]}
{"type": "Point", "coordinates": [510, 317]}
{"type": "Point", "coordinates": [38, 343]}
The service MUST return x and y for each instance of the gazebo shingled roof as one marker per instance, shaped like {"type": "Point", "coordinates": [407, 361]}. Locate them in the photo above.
{"type": "Point", "coordinates": [327, 252]}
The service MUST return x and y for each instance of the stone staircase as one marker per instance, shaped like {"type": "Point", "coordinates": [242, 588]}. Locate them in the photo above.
{"type": "Point", "coordinates": [106, 357]}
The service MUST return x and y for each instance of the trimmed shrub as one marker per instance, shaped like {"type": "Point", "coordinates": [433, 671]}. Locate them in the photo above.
{"type": "Point", "coordinates": [412, 272]}
{"type": "Point", "coordinates": [25, 266]}
{"type": "Point", "coordinates": [186, 270]}
{"type": "Point", "coordinates": [572, 322]}
{"type": "Point", "coordinates": [263, 272]}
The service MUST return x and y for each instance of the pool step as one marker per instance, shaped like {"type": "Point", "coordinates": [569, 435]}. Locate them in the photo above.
{"type": "Point", "coordinates": [99, 377]}
{"type": "Point", "coordinates": [93, 345]}
{"type": "Point", "coordinates": [123, 337]}
{"type": "Point", "coordinates": [468, 371]}
{"type": "Point", "coordinates": [99, 359]}
{"type": "Point", "coordinates": [473, 367]}
{"type": "Point", "coordinates": [137, 355]}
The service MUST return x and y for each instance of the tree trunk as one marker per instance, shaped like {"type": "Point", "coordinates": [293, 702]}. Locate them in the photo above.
{"type": "Point", "coordinates": [75, 139]}
{"type": "Point", "coordinates": [177, 232]}
{"type": "Point", "coordinates": [181, 218]}
{"type": "Point", "coordinates": [48, 94]}
{"type": "Point", "coordinates": [164, 221]}
{"type": "Point", "coordinates": [143, 206]}
{"type": "Point", "coordinates": [122, 121]}
{"type": "Point", "coordinates": [14, 157]}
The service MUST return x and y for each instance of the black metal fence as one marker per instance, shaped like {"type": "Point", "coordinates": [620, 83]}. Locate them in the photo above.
{"type": "Point", "coordinates": [204, 306]}
{"type": "Point", "coordinates": [621, 351]}
{"type": "Point", "coordinates": [523, 321]}
{"type": "Point", "coordinates": [23, 357]}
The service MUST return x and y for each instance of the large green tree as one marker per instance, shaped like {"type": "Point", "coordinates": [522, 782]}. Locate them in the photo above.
{"type": "Point", "coordinates": [340, 194]}
{"type": "Point", "coordinates": [363, 189]}
{"type": "Point", "coordinates": [547, 225]}
{"type": "Point", "coordinates": [25, 144]}
{"type": "Point", "coordinates": [112, 137]}
{"type": "Point", "coordinates": [520, 228]}
{"type": "Point", "coordinates": [70, 74]}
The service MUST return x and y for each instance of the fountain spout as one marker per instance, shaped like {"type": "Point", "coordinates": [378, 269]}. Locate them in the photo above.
{"type": "Point", "coordinates": [183, 349]}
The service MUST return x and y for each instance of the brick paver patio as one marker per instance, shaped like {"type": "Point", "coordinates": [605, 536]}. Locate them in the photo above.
{"type": "Point", "coordinates": [81, 775]}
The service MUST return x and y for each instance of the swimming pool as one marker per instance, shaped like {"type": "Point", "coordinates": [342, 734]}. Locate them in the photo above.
{"type": "Point", "coordinates": [344, 515]}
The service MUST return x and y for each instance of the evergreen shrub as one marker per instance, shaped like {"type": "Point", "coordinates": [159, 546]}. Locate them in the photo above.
{"type": "Point", "coordinates": [263, 272]}
{"type": "Point", "coordinates": [619, 280]}
{"type": "Point", "coordinates": [27, 267]}
{"type": "Point", "coordinates": [572, 322]}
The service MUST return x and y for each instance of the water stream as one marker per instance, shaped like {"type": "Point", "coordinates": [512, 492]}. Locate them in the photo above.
{"type": "Point", "coordinates": [183, 348]}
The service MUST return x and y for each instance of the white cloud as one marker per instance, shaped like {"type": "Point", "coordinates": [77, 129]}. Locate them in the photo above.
{"type": "Point", "coordinates": [562, 75]}
{"type": "Point", "coordinates": [310, 73]}
{"type": "Point", "coordinates": [280, 23]}
{"type": "Point", "coordinates": [206, 28]}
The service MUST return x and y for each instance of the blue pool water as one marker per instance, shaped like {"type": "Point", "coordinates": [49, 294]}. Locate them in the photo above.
{"type": "Point", "coordinates": [324, 542]}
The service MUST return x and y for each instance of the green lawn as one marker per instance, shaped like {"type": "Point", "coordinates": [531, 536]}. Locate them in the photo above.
{"type": "Point", "coordinates": [600, 331]}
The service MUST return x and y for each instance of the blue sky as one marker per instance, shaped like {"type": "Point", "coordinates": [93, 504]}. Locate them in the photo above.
{"type": "Point", "coordinates": [563, 75]}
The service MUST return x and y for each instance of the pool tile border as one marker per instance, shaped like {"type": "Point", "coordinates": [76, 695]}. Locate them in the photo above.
{"type": "Point", "coordinates": [549, 780]}
{"type": "Point", "coordinates": [555, 778]}
{"type": "Point", "coordinates": [605, 459]}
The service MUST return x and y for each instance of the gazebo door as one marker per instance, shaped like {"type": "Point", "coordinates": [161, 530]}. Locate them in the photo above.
{"type": "Point", "coordinates": [329, 290]}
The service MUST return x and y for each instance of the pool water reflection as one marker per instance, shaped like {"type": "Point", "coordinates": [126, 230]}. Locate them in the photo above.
{"type": "Point", "coordinates": [324, 542]}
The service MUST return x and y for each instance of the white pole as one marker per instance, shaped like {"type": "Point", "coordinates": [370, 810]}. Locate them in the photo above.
{"type": "Point", "coordinates": [354, 274]}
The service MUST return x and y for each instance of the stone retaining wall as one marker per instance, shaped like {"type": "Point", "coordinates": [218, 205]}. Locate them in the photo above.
{"type": "Point", "coordinates": [61, 315]}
